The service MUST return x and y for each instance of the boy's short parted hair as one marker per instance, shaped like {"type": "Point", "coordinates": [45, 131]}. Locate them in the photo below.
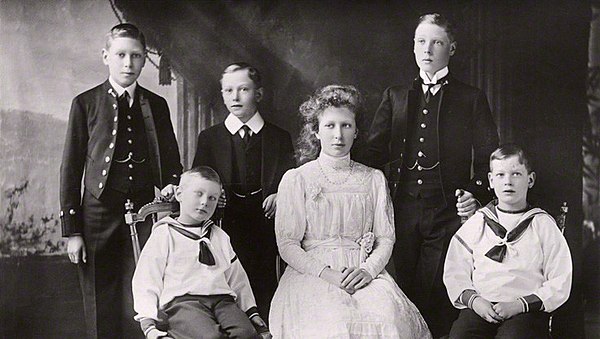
{"type": "Point", "coordinates": [509, 150]}
{"type": "Point", "coordinates": [253, 72]}
{"type": "Point", "coordinates": [439, 20]}
{"type": "Point", "coordinates": [204, 172]}
{"type": "Point", "coordinates": [125, 30]}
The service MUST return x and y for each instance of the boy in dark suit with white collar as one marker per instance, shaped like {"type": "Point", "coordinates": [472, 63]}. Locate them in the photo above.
{"type": "Point", "coordinates": [251, 155]}
{"type": "Point", "coordinates": [120, 140]}
{"type": "Point", "coordinates": [430, 135]}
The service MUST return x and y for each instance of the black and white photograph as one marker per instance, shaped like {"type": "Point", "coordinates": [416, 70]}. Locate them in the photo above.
{"type": "Point", "coordinates": [406, 169]}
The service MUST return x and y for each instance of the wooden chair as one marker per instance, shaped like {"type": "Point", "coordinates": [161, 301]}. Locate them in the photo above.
{"type": "Point", "coordinates": [561, 222]}
{"type": "Point", "coordinates": [150, 209]}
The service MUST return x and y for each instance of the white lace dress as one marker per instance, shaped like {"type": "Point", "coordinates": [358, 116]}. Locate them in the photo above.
{"type": "Point", "coordinates": [335, 212]}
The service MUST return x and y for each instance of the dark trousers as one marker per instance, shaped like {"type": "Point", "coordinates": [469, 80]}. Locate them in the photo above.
{"type": "Point", "coordinates": [424, 228]}
{"type": "Point", "coordinates": [106, 277]}
{"type": "Point", "coordinates": [522, 326]}
{"type": "Point", "coordinates": [212, 316]}
{"type": "Point", "coordinates": [253, 240]}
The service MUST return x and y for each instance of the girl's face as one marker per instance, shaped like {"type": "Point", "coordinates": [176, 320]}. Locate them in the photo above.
{"type": "Point", "coordinates": [337, 131]}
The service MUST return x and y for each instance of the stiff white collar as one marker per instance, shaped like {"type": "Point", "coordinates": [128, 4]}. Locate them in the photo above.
{"type": "Point", "coordinates": [120, 90]}
{"type": "Point", "coordinates": [438, 75]}
{"type": "Point", "coordinates": [233, 124]}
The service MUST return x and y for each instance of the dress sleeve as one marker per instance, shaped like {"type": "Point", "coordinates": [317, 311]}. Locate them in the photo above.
{"type": "Point", "coordinates": [383, 226]}
{"type": "Point", "coordinates": [458, 268]}
{"type": "Point", "coordinates": [147, 283]}
{"type": "Point", "coordinates": [557, 264]}
{"type": "Point", "coordinates": [290, 224]}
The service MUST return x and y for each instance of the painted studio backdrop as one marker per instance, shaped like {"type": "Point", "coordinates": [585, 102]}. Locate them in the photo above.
{"type": "Point", "coordinates": [538, 64]}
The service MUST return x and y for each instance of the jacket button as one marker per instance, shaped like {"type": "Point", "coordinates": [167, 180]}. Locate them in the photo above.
{"type": "Point", "coordinates": [420, 182]}
{"type": "Point", "coordinates": [107, 159]}
{"type": "Point", "coordinates": [398, 169]}
{"type": "Point", "coordinates": [425, 111]}
{"type": "Point", "coordinates": [100, 185]}
{"type": "Point", "coordinates": [62, 213]}
{"type": "Point", "coordinates": [112, 145]}
{"type": "Point", "coordinates": [116, 118]}
{"type": "Point", "coordinates": [423, 125]}
{"type": "Point", "coordinates": [115, 106]}
{"type": "Point", "coordinates": [104, 172]}
{"type": "Point", "coordinates": [72, 211]}
{"type": "Point", "coordinates": [114, 132]}
{"type": "Point", "coordinates": [478, 183]}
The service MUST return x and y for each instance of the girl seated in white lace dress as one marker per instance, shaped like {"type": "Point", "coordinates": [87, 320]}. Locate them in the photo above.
{"type": "Point", "coordinates": [335, 229]}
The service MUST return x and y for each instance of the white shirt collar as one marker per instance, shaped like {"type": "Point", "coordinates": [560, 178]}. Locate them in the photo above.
{"type": "Point", "coordinates": [438, 75]}
{"type": "Point", "coordinates": [120, 89]}
{"type": "Point", "coordinates": [233, 124]}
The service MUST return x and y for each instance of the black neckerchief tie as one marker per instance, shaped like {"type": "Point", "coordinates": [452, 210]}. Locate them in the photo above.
{"type": "Point", "coordinates": [205, 256]}
{"type": "Point", "coordinates": [443, 81]}
{"type": "Point", "coordinates": [498, 252]}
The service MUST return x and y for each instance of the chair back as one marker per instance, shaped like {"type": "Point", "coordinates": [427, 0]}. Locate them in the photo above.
{"type": "Point", "coordinates": [153, 209]}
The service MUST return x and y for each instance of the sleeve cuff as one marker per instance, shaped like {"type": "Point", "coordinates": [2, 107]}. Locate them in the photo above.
{"type": "Point", "coordinates": [531, 303]}
{"type": "Point", "coordinates": [147, 324]}
{"type": "Point", "coordinates": [467, 297]}
{"type": "Point", "coordinates": [252, 311]}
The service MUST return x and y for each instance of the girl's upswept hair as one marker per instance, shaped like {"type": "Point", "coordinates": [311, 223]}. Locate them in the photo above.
{"type": "Point", "coordinates": [347, 96]}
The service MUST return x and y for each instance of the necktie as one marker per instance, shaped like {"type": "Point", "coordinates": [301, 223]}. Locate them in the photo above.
{"type": "Point", "coordinates": [428, 93]}
{"type": "Point", "coordinates": [124, 100]}
{"type": "Point", "coordinates": [205, 256]}
{"type": "Point", "coordinates": [498, 252]}
{"type": "Point", "coordinates": [246, 137]}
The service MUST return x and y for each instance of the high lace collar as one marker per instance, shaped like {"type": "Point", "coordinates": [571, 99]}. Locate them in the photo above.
{"type": "Point", "coordinates": [336, 163]}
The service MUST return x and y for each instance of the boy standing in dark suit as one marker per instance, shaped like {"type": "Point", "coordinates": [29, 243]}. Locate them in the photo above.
{"type": "Point", "coordinates": [431, 135]}
{"type": "Point", "coordinates": [250, 155]}
{"type": "Point", "coordinates": [121, 142]}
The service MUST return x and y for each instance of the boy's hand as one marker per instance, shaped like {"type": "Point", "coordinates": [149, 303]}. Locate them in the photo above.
{"type": "Point", "coordinates": [156, 333]}
{"type": "Point", "coordinates": [355, 278]}
{"type": "Point", "coordinates": [466, 204]}
{"type": "Point", "coordinates": [508, 309]}
{"type": "Point", "coordinates": [485, 310]}
{"type": "Point", "coordinates": [222, 199]}
{"type": "Point", "coordinates": [76, 249]}
{"type": "Point", "coordinates": [168, 192]}
{"type": "Point", "coordinates": [261, 327]}
{"type": "Point", "coordinates": [270, 205]}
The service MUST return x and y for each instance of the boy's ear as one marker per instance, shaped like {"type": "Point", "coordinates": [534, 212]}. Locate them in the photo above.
{"type": "Point", "coordinates": [105, 56]}
{"type": "Point", "coordinates": [178, 193]}
{"type": "Point", "coordinates": [452, 48]}
{"type": "Point", "coordinates": [531, 180]}
{"type": "Point", "coordinates": [258, 94]}
{"type": "Point", "coordinates": [491, 181]}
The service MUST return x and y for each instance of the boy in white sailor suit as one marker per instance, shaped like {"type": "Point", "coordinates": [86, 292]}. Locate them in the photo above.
{"type": "Point", "coordinates": [509, 265]}
{"type": "Point", "coordinates": [120, 140]}
{"type": "Point", "coordinates": [189, 273]}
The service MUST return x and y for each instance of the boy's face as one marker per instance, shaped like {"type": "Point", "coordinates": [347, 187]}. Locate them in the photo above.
{"type": "Point", "coordinates": [511, 181]}
{"type": "Point", "coordinates": [433, 48]}
{"type": "Point", "coordinates": [198, 199]}
{"type": "Point", "coordinates": [125, 59]}
{"type": "Point", "coordinates": [240, 94]}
